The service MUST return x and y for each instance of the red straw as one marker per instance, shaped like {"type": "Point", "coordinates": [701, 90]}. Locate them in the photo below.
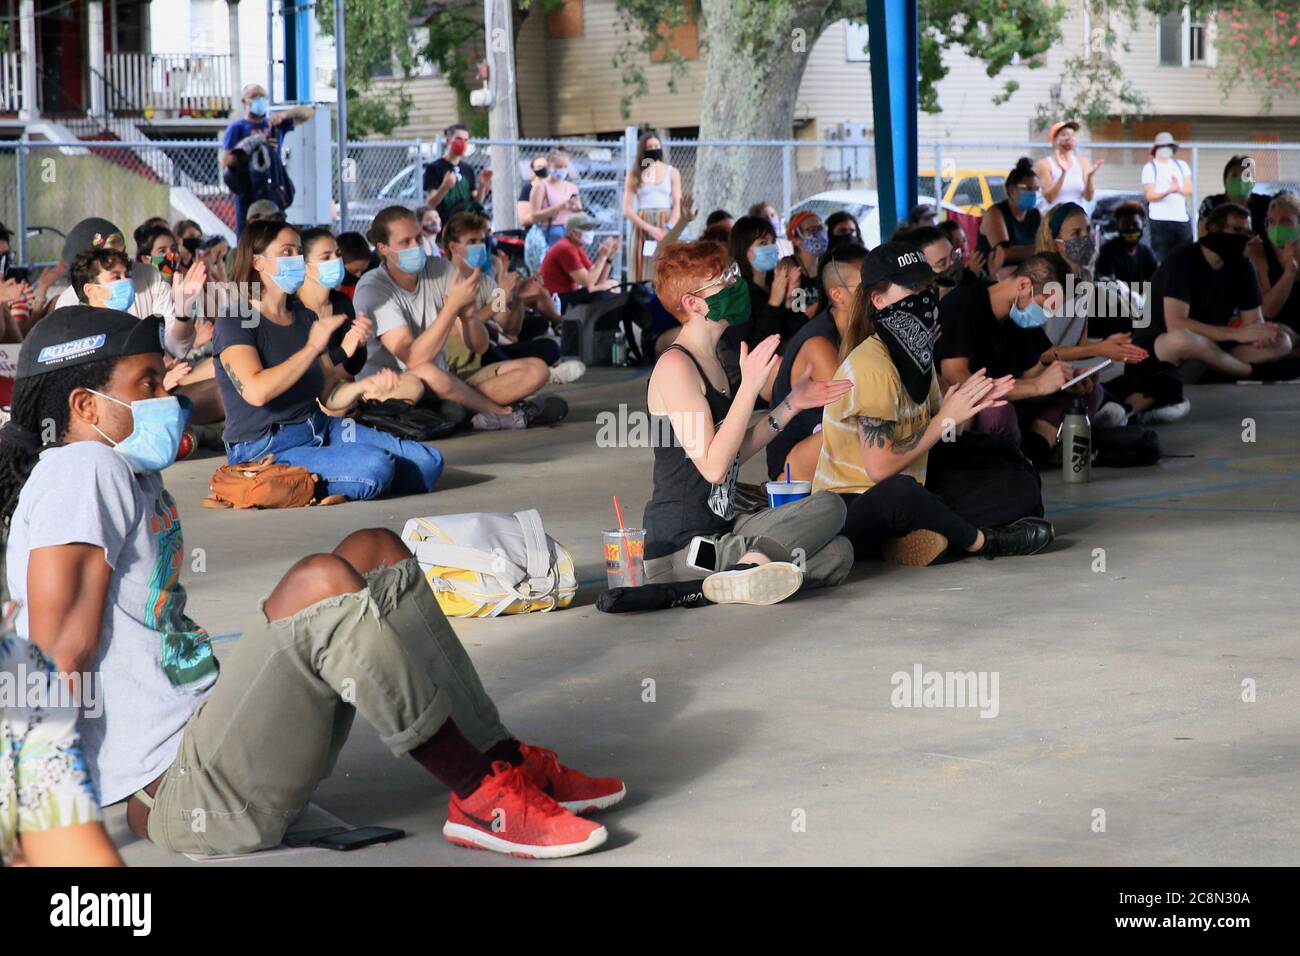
{"type": "Point", "coordinates": [618, 513]}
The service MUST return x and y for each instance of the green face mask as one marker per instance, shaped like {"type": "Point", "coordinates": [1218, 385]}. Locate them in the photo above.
{"type": "Point", "coordinates": [1239, 189]}
{"type": "Point", "coordinates": [730, 305]}
{"type": "Point", "coordinates": [1281, 235]}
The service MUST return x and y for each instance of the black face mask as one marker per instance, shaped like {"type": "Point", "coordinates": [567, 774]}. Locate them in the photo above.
{"type": "Point", "coordinates": [1226, 245]}
{"type": "Point", "coordinates": [542, 173]}
{"type": "Point", "coordinates": [907, 329]}
{"type": "Point", "coordinates": [654, 155]}
{"type": "Point", "coordinates": [192, 243]}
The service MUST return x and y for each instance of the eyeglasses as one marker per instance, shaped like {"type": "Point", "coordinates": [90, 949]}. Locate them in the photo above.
{"type": "Point", "coordinates": [728, 278]}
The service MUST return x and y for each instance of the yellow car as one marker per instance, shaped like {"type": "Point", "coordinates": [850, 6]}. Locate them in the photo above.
{"type": "Point", "coordinates": [972, 191]}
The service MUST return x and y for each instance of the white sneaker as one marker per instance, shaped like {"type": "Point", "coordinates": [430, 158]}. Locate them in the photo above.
{"type": "Point", "coordinates": [762, 584]}
{"type": "Point", "coordinates": [1110, 415]}
{"type": "Point", "coordinates": [1165, 413]}
{"type": "Point", "coordinates": [567, 370]}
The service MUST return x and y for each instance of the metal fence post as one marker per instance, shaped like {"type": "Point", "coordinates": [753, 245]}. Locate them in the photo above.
{"type": "Point", "coordinates": [786, 181]}
{"type": "Point", "coordinates": [938, 177]}
{"type": "Point", "coordinates": [1196, 185]}
{"type": "Point", "coordinates": [629, 157]}
{"type": "Point", "coordinates": [21, 166]}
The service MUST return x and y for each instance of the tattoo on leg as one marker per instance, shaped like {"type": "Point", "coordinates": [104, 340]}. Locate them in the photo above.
{"type": "Point", "coordinates": [876, 432]}
{"type": "Point", "coordinates": [234, 379]}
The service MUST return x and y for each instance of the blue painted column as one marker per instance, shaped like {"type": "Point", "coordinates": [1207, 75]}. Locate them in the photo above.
{"type": "Point", "coordinates": [298, 33]}
{"type": "Point", "coordinates": [892, 28]}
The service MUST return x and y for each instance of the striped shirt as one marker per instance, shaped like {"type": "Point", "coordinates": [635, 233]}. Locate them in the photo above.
{"type": "Point", "coordinates": [877, 392]}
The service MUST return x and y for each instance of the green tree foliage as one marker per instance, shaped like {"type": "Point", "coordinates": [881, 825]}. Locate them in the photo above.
{"type": "Point", "coordinates": [996, 32]}
{"type": "Point", "coordinates": [378, 36]}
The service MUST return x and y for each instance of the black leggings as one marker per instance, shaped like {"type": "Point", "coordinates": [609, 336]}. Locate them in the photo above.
{"type": "Point", "coordinates": [897, 506]}
{"type": "Point", "coordinates": [977, 481]}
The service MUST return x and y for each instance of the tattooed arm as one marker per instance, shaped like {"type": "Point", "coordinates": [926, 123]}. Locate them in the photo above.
{"type": "Point", "coordinates": [258, 385]}
{"type": "Point", "coordinates": [883, 456]}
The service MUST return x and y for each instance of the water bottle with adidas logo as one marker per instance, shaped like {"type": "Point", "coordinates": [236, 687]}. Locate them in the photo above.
{"type": "Point", "coordinates": [1076, 444]}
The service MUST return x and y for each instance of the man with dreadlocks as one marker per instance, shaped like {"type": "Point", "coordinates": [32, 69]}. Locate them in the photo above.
{"type": "Point", "coordinates": [93, 558]}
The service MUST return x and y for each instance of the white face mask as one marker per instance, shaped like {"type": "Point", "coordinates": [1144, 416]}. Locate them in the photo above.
{"type": "Point", "coordinates": [586, 238]}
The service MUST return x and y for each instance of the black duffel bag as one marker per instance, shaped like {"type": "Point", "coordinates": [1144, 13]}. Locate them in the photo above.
{"type": "Point", "coordinates": [404, 420]}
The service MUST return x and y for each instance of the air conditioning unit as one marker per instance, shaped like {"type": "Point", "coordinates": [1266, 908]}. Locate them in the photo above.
{"type": "Point", "coordinates": [848, 165]}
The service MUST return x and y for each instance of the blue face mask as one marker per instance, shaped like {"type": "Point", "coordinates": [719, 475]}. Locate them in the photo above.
{"type": "Point", "coordinates": [331, 273]}
{"type": "Point", "coordinates": [121, 295]}
{"type": "Point", "coordinates": [1032, 316]}
{"type": "Point", "coordinates": [411, 260]}
{"type": "Point", "coordinates": [766, 258]}
{"type": "Point", "coordinates": [157, 426]}
{"type": "Point", "coordinates": [476, 256]}
{"type": "Point", "coordinates": [259, 105]}
{"type": "Point", "coordinates": [1027, 200]}
{"type": "Point", "coordinates": [290, 271]}
{"type": "Point", "coordinates": [817, 243]}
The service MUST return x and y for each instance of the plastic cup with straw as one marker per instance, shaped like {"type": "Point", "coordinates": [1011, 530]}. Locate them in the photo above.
{"type": "Point", "coordinates": [629, 567]}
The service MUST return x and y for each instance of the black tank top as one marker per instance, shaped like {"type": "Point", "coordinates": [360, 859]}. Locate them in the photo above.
{"type": "Point", "coordinates": [1290, 312]}
{"type": "Point", "coordinates": [684, 504]}
{"type": "Point", "coordinates": [1020, 232]}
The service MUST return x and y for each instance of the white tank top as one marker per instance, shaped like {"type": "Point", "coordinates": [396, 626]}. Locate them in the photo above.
{"type": "Point", "coordinates": [1072, 188]}
{"type": "Point", "coordinates": [656, 195]}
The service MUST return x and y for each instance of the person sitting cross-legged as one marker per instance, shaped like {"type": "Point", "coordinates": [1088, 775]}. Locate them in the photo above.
{"type": "Point", "coordinates": [273, 372]}
{"type": "Point", "coordinates": [693, 508]}
{"type": "Point", "coordinates": [1000, 328]}
{"type": "Point", "coordinates": [417, 304]}
{"type": "Point", "coordinates": [1205, 306]}
{"type": "Point", "coordinates": [882, 440]}
{"type": "Point", "coordinates": [93, 557]}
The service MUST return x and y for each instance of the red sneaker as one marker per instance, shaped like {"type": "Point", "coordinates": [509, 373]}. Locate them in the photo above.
{"type": "Point", "coordinates": [508, 814]}
{"type": "Point", "coordinates": [570, 788]}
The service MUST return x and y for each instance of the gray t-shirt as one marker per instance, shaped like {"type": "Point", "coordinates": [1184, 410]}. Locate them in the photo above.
{"type": "Point", "coordinates": [390, 307]}
{"type": "Point", "coordinates": [155, 665]}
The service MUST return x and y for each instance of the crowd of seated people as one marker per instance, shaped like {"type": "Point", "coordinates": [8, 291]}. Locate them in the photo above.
{"type": "Point", "coordinates": [917, 389]}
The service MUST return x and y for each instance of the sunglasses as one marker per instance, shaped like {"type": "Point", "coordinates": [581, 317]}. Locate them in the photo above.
{"type": "Point", "coordinates": [728, 278]}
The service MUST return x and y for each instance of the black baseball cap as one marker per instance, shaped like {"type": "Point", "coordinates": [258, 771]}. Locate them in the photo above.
{"type": "Point", "coordinates": [92, 233]}
{"type": "Point", "coordinates": [81, 334]}
{"type": "Point", "coordinates": [899, 262]}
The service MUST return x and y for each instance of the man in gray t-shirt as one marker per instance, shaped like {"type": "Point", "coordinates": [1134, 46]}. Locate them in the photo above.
{"type": "Point", "coordinates": [427, 315]}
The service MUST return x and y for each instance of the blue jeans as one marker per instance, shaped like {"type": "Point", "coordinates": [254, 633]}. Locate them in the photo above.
{"type": "Point", "coordinates": [350, 459]}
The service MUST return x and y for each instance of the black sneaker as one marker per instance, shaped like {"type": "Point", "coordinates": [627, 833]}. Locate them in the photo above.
{"type": "Point", "coordinates": [653, 597]}
{"type": "Point", "coordinates": [1026, 536]}
{"type": "Point", "coordinates": [543, 410]}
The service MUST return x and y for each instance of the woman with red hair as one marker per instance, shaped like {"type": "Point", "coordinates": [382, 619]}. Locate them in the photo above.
{"type": "Point", "coordinates": [700, 547]}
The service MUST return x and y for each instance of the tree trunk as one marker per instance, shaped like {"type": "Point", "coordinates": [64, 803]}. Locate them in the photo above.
{"type": "Point", "coordinates": [755, 62]}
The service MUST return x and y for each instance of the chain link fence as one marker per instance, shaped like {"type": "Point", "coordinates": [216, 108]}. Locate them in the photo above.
{"type": "Point", "coordinates": [45, 188]}
{"type": "Point", "coordinates": [381, 173]}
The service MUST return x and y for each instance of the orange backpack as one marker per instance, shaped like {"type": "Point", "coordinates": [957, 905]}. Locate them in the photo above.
{"type": "Point", "coordinates": [262, 484]}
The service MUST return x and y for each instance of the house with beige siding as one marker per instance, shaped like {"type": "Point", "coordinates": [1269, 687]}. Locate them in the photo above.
{"type": "Point", "coordinates": [569, 86]}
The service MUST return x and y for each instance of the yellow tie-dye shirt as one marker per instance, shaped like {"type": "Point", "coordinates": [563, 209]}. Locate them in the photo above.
{"type": "Point", "coordinates": [877, 392]}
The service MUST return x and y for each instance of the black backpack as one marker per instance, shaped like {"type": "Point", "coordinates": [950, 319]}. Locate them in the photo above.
{"type": "Point", "coordinates": [404, 420]}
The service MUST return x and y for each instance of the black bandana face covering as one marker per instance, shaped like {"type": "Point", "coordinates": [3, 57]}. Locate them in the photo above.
{"type": "Point", "coordinates": [907, 328]}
